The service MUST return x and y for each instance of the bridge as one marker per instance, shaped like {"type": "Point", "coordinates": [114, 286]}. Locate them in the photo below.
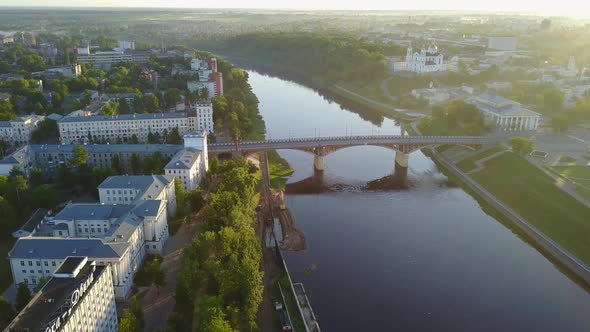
{"type": "Point", "coordinates": [321, 146]}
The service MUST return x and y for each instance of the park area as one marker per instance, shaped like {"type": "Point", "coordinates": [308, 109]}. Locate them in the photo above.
{"type": "Point", "coordinates": [579, 175]}
{"type": "Point", "coordinates": [534, 196]}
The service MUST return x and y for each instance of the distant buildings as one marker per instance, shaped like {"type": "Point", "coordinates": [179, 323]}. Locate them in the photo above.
{"type": "Point", "coordinates": [18, 132]}
{"type": "Point", "coordinates": [502, 43]}
{"type": "Point", "coordinates": [209, 77]}
{"type": "Point", "coordinates": [101, 60]}
{"type": "Point", "coordinates": [506, 114]}
{"type": "Point", "coordinates": [69, 71]}
{"type": "Point", "coordinates": [428, 60]}
{"type": "Point", "coordinates": [123, 45]}
{"type": "Point", "coordinates": [79, 296]}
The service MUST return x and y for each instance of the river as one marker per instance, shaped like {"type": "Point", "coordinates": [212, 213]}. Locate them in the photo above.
{"type": "Point", "coordinates": [423, 259]}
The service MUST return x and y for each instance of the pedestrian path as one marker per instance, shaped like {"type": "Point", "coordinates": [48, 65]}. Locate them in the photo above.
{"type": "Point", "coordinates": [480, 162]}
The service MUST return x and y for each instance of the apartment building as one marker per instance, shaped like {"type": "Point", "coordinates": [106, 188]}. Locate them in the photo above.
{"type": "Point", "coordinates": [78, 297]}
{"type": "Point", "coordinates": [18, 132]}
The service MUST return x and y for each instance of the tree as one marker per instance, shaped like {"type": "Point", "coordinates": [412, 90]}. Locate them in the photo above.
{"type": "Point", "coordinates": [174, 137]}
{"type": "Point", "coordinates": [172, 96]}
{"type": "Point", "coordinates": [559, 123]}
{"type": "Point", "coordinates": [133, 139]}
{"type": "Point", "coordinates": [204, 93]}
{"type": "Point", "coordinates": [6, 111]}
{"type": "Point", "coordinates": [45, 196]}
{"type": "Point", "coordinates": [32, 63]}
{"type": "Point", "coordinates": [521, 145]}
{"type": "Point", "coordinates": [135, 164]}
{"type": "Point", "coordinates": [137, 311]}
{"type": "Point", "coordinates": [546, 24]}
{"type": "Point", "coordinates": [79, 156]}
{"type": "Point", "coordinates": [4, 145]}
{"type": "Point", "coordinates": [116, 164]}
{"type": "Point", "coordinates": [7, 313]}
{"type": "Point", "coordinates": [40, 284]}
{"type": "Point", "coordinates": [128, 323]}
{"type": "Point", "coordinates": [47, 132]}
{"type": "Point", "coordinates": [8, 216]}
{"type": "Point", "coordinates": [21, 187]}
{"type": "Point", "coordinates": [37, 177]}
{"type": "Point", "coordinates": [23, 296]}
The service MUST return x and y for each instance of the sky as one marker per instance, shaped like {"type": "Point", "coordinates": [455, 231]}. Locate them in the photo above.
{"type": "Point", "coordinates": [556, 7]}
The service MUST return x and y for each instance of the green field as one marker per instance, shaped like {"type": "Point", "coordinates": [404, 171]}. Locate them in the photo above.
{"type": "Point", "coordinates": [574, 171]}
{"type": "Point", "coordinates": [291, 304]}
{"type": "Point", "coordinates": [468, 164]}
{"type": "Point", "coordinates": [567, 159]}
{"type": "Point", "coordinates": [534, 195]}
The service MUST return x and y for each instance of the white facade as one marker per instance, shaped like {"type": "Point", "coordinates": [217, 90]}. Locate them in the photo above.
{"type": "Point", "coordinates": [18, 131]}
{"type": "Point", "coordinates": [506, 114]}
{"type": "Point", "coordinates": [123, 45]}
{"type": "Point", "coordinates": [70, 71]}
{"type": "Point", "coordinates": [79, 298]}
{"type": "Point", "coordinates": [428, 60]}
{"type": "Point", "coordinates": [197, 86]}
{"type": "Point", "coordinates": [190, 164]}
{"type": "Point", "coordinates": [76, 129]}
{"type": "Point", "coordinates": [103, 60]}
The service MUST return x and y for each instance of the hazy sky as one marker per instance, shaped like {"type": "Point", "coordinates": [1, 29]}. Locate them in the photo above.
{"type": "Point", "coordinates": [556, 7]}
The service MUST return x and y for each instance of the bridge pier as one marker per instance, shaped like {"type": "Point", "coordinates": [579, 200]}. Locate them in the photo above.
{"type": "Point", "coordinates": [400, 169]}
{"type": "Point", "coordinates": [318, 158]}
{"type": "Point", "coordinates": [318, 163]}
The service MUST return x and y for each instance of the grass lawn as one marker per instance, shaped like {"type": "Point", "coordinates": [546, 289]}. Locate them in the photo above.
{"type": "Point", "coordinates": [6, 244]}
{"type": "Point", "coordinates": [368, 89]}
{"type": "Point", "coordinates": [566, 159]}
{"type": "Point", "coordinates": [574, 171]}
{"type": "Point", "coordinates": [291, 304]}
{"type": "Point", "coordinates": [583, 192]}
{"type": "Point", "coordinates": [468, 164]}
{"type": "Point", "coordinates": [534, 195]}
{"type": "Point", "coordinates": [279, 169]}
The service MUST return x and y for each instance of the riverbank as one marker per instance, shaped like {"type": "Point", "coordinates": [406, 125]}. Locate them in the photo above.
{"type": "Point", "coordinates": [368, 108]}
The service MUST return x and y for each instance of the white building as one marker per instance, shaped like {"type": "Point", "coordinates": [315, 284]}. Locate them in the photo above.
{"type": "Point", "coordinates": [190, 164]}
{"type": "Point", "coordinates": [102, 60]}
{"type": "Point", "coordinates": [198, 86]}
{"type": "Point", "coordinates": [130, 222]}
{"type": "Point", "coordinates": [428, 60]}
{"type": "Point", "coordinates": [70, 71]}
{"type": "Point", "coordinates": [506, 114]}
{"type": "Point", "coordinates": [18, 131]}
{"type": "Point", "coordinates": [78, 129]}
{"type": "Point", "coordinates": [433, 95]}
{"type": "Point", "coordinates": [123, 45]}
{"type": "Point", "coordinates": [502, 43]}
{"type": "Point", "coordinates": [79, 297]}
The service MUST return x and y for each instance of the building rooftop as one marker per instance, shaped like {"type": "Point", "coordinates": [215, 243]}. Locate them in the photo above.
{"type": "Point", "coordinates": [53, 300]}
{"type": "Point", "coordinates": [92, 212]}
{"type": "Point", "coordinates": [71, 265]}
{"type": "Point", "coordinates": [58, 248]}
{"type": "Point", "coordinates": [184, 159]}
{"type": "Point", "coordinates": [149, 186]}
{"type": "Point", "coordinates": [124, 117]}
{"type": "Point", "coordinates": [493, 103]}
{"type": "Point", "coordinates": [108, 148]}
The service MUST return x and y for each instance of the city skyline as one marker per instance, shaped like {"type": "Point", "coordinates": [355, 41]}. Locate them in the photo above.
{"type": "Point", "coordinates": [566, 7]}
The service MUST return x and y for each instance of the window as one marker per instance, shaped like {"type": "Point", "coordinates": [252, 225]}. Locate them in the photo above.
{"type": "Point", "coordinates": [52, 263]}
{"type": "Point", "coordinates": [38, 263]}
{"type": "Point", "coordinates": [32, 271]}
{"type": "Point", "coordinates": [22, 263]}
{"type": "Point", "coordinates": [24, 271]}
{"type": "Point", "coordinates": [86, 230]}
{"type": "Point", "coordinates": [46, 263]}
{"type": "Point", "coordinates": [30, 263]}
{"type": "Point", "coordinates": [47, 271]}
{"type": "Point", "coordinates": [40, 271]}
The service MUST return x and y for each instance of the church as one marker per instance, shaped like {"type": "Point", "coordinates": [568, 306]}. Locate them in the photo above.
{"type": "Point", "coordinates": [428, 60]}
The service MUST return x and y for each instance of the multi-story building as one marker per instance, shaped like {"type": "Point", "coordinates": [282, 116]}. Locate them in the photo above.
{"type": "Point", "coordinates": [82, 129]}
{"type": "Point", "coordinates": [79, 297]}
{"type": "Point", "coordinates": [18, 131]}
{"type": "Point", "coordinates": [70, 71]}
{"type": "Point", "coordinates": [130, 221]}
{"type": "Point", "coordinates": [502, 43]}
{"type": "Point", "coordinates": [504, 113]}
{"type": "Point", "coordinates": [125, 189]}
{"type": "Point", "coordinates": [101, 60]}
{"type": "Point", "coordinates": [190, 164]}
{"type": "Point", "coordinates": [209, 77]}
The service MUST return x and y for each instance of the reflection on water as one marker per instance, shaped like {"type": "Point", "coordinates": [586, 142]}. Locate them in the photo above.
{"type": "Point", "coordinates": [425, 258]}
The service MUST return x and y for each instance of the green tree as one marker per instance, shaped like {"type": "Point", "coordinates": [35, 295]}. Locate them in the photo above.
{"type": "Point", "coordinates": [135, 164]}
{"type": "Point", "coordinates": [37, 177]}
{"type": "Point", "coordinates": [128, 322]}
{"type": "Point", "coordinates": [559, 123]}
{"type": "Point", "coordinates": [79, 156]}
{"type": "Point", "coordinates": [8, 216]}
{"type": "Point", "coordinates": [174, 137]}
{"type": "Point", "coordinates": [7, 111]}
{"type": "Point", "coordinates": [45, 196]}
{"type": "Point", "coordinates": [137, 311]}
{"type": "Point", "coordinates": [47, 132]}
{"type": "Point", "coordinates": [32, 63]}
{"type": "Point", "coordinates": [23, 296]}
{"type": "Point", "coordinates": [42, 281]}
{"type": "Point", "coordinates": [7, 313]}
{"type": "Point", "coordinates": [521, 145]}
{"type": "Point", "coordinates": [116, 164]}
{"type": "Point", "coordinates": [546, 24]}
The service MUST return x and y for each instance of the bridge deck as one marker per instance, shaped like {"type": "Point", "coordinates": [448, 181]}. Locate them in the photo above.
{"type": "Point", "coordinates": [344, 141]}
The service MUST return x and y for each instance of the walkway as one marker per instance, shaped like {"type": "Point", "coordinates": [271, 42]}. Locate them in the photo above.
{"type": "Point", "coordinates": [158, 306]}
{"type": "Point", "coordinates": [480, 163]}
